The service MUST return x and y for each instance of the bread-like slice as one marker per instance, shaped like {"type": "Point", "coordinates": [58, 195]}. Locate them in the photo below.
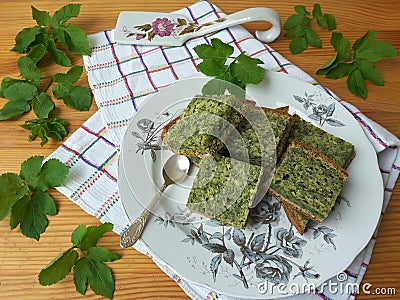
{"type": "Point", "coordinates": [308, 181]}
{"type": "Point", "coordinates": [223, 190]}
{"type": "Point", "coordinates": [281, 124]}
{"type": "Point", "coordinates": [298, 220]}
{"type": "Point", "coordinates": [204, 125]}
{"type": "Point", "coordinates": [337, 149]}
{"type": "Point", "coordinates": [264, 131]}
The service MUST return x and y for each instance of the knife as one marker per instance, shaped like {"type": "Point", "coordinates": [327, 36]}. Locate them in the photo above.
{"type": "Point", "coordinates": [171, 29]}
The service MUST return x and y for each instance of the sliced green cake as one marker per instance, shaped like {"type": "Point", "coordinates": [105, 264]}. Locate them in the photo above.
{"type": "Point", "coordinates": [203, 125]}
{"type": "Point", "coordinates": [270, 126]}
{"type": "Point", "coordinates": [308, 181]}
{"type": "Point", "coordinates": [223, 189]}
{"type": "Point", "coordinates": [337, 149]}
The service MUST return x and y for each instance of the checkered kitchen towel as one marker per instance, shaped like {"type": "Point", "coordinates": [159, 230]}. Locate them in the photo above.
{"type": "Point", "coordinates": [122, 76]}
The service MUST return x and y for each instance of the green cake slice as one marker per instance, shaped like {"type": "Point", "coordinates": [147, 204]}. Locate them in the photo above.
{"type": "Point", "coordinates": [224, 188]}
{"type": "Point", "coordinates": [308, 181]}
{"type": "Point", "coordinates": [204, 125]}
{"type": "Point", "coordinates": [337, 149]}
{"type": "Point", "coordinates": [272, 129]}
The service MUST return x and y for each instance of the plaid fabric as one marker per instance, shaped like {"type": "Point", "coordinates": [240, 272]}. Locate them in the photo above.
{"type": "Point", "coordinates": [122, 76]}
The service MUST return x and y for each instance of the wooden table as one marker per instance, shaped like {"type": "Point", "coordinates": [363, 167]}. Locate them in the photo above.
{"type": "Point", "coordinates": [136, 276]}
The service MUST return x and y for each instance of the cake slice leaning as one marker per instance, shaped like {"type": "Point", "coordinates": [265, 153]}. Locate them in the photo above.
{"type": "Point", "coordinates": [337, 149]}
{"type": "Point", "coordinates": [308, 181]}
{"type": "Point", "coordinates": [271, 126]}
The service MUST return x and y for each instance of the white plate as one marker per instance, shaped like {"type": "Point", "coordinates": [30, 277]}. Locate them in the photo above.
{"type": "Point", "coordinates": [269, 259]}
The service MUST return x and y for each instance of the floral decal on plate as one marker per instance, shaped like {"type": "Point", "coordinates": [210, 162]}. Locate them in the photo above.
{"type": "Point", "coordinates": [148, 134]}
{"type": "Point", "coordinates": [163, 27]}
{"type": "Point", "coordinates": [265, 251]}
{"type": "Point", "coordinates": [321, 112]}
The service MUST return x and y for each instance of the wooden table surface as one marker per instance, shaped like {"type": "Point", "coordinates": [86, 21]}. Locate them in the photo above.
{"type": "Point", "coordinates": [136, 276]}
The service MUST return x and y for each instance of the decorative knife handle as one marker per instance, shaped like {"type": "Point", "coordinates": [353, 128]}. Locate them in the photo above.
{"type": "Point", "coordinates": [245, 16]}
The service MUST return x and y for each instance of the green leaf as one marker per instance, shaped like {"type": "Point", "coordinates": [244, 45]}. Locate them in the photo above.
{"type": "Point", "coordinates": [58, 268]}
{"type": "Point", "coordinates": [7, 82]}
{"type": "Point", "coordinates": [297, 31]}
{"type": "Point", "coordinates": [70, 77]}
{"type": "Point", "coordinates": [97, 274]}
{"type": "Point", "coordinates": [301, 10]}
{"type": "Point", "coordinates": [246, 69]}
{"type": "Point", "coordinates": [376, 51]}
{"type": "Point", "coordinates": [20, 91]}
{"type": "Point", "coordinates": [293, 21]}
{"type": "Point", "coordinates": [313, 38]}
{"type": "Point", "coordinates": [100, 279]}
{"type": "Point", "coordinates": [37, 52]}
{"type": "Point", "coordinates": [322, 21]}
{"type": "Point", "coordinates": [42, 105]}
{"type": "Point", "coordinates": [328, 65]}
{"type": "Point", "coordinates": [74, 38]}
{"type": "Point", "coordinates": [78, 97]}
{"type": "Point", "coordinates": [330, 19]}
{"type": "Point", "coordinates": [356, 84]}
{"type": "Point", "coordinates": [11, 190]}
{"type": "Point", "coordinates": [370, 72]}
{"type": "Point", "coordinates": [35, 221]}
{"type": "Point", "coordinates": [59, 56]}
{"type": "Point", "coordinates": [13, 109]}
{"type": "Point", "coordinates": [101, 254]}
{"type": "Point", "coordinates": [29, 70]}
{"type": "Point", "coordinates": [341, 45]}
{"type": "Point", "coordinates": [340, 70]}
{"type": "Point", "coordinates": [78, 234]}
{"type": "Point", "coordinates": [31, 168]}
{"type": "Point", "coordinates": [215, 87]}
{"type": "Point", "coordinates": [317, 12]}
{"type": "Point", "coordinates": [18, 211]}
{"type": "Point", "coordinates": [45, 128]}
{"type": "Point", "coordinates": [298, 45]}
{"type": "Point", "coordinates": [42, 18]}
{"type": "Point", "coordinates": [52, 174]}
{"type": "Point", "coordinates": [65, 13]}
{"type": "Point", "coordinates": [81, 275]}
{"type": "Point", "coordinates": [25, 38]}
{"type": "Point", "coordinates": [217, 51]}
{"type": "Point", "coordinates": [365, 40]}
{"type": "Point", "coordinates": [92, 235]}
{"type": "Point", "coordinates": [212, 68]}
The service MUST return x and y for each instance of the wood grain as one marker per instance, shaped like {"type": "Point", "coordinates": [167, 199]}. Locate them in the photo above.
{"type": "Point", "coordinates": [136, 276]}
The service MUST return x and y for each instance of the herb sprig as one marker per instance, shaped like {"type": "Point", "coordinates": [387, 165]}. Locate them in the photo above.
{"type": "Point", "coordinates": [86, 260]}
{"type": "Point", "coordinates": [25, 94]}
{"type": "Point", "coordinates": [356, 61]}
{"type": "Point", "coordinates": [298, 27]}
{"type": "Point", "coordinates": [242, 70]}
{"type": "Point", "coordinates": [24, 196]}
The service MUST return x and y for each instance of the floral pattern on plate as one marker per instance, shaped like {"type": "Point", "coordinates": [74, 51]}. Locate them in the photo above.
{"type": "Point", "coordinates": [266, 250]}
